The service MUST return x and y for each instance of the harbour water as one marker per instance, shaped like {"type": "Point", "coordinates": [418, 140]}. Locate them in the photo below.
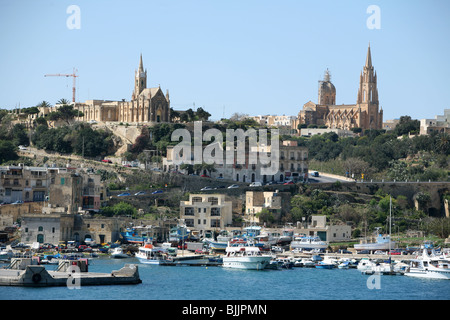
{"type": "Point", "coordinates": [217, 283]}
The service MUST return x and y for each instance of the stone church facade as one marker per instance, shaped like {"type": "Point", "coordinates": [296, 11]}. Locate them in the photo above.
{"type": "Point", "coordinates": [147, 105]}
{"type": "Point", "coordinates": [365, 114]}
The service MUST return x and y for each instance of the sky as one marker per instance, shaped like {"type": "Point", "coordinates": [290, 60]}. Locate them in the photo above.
{"type": "Point", "coordinates": [255, 57]}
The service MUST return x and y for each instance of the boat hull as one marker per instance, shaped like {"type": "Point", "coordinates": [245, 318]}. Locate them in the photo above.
{"type": "Point", "coordinates": [150, 261]}
{"type": "Point", "coordinates": [428, 274]}
{"type": "Point", "coordinates": [247, 263]}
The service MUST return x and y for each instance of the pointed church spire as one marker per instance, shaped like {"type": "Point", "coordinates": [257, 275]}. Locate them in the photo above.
{"type": "Point", "coordinates": [368, 58]}
{"type": "Point", "coordinates": [141, 65]}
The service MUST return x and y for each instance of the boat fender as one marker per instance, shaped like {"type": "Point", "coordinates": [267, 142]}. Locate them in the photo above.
{"type": "Point", "coordinates": [36, 277]}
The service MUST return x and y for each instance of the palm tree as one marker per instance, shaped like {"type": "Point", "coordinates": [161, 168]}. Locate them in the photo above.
{"type": "Point", "coordinates": [44, 104]}
{"type": "Point", "coordinates": [443, 143]}
{"type": "Point", "coordinates": [63, 101]}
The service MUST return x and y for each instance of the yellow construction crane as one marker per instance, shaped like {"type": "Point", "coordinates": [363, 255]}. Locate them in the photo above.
{"type": "Point", "coordinates": [74, 75]}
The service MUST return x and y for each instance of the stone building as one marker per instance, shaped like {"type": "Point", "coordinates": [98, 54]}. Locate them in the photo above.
{"type": "Point", "coordinates": [55, 227]}
{"type": "Point", "coordinates": [206, 212]}
{"type": "Point", "coordinates": [276, 202]}
{"type": "Point", "coordinates": [293, 165]}
{"type": "Point", "coordinates": [318, 226]}
{"type": "Point", "coordinates": [365, 114]}
{"type": "Point", "coordinates": [147, 105]}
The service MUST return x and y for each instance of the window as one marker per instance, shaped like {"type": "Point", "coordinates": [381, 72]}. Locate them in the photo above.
{"type": "Point", "coordinates": [215, 211]}
{"type": "Point", "coordinates": [53, 230]}
{"type": "Point", "coordinates": [196, 199]}
{"type": "Point", "coordinates": [62, 181]}
{"type": "Point", "coordinates": [40, 228]}
{"type": "Point", "coordinates": [189, 211]}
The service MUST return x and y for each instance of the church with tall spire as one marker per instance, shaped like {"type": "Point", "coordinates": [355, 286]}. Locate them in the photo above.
{"type": "Point", "coordinates": [147, 105]}
{"type": "Point", "coordinates": [365, 114]}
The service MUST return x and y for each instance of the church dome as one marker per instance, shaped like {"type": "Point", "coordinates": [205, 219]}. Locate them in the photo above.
{"type": "Point", "coordinates": [327, 86]}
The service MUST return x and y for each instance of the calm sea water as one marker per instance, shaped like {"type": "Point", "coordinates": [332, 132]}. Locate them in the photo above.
{"type": "Point", "coordinates": [217, 283]}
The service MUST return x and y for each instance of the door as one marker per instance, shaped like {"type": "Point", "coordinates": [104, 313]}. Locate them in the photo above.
{"type": "Point", "coordinates": [40, 238]}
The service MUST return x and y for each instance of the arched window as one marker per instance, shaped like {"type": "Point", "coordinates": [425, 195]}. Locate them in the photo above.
{"type": "Point", "coordinates": [40, 228]}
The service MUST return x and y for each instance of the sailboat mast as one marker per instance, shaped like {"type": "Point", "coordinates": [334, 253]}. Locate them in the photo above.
{"type": "Point", "coordinates": [390, 222]}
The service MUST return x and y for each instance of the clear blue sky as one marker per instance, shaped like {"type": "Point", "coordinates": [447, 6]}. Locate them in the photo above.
{"type": "Point", "coordinates": [247, 56]}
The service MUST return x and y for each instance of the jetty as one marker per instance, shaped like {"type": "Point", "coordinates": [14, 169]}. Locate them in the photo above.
{"type": "Point", "coordinates": [23, 272]}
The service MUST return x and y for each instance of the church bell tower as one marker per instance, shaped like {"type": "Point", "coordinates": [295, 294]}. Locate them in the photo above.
{"type": "Point", "coordinates": [140, 80]}
{"type": "Point", "coordinates": [368, 92]}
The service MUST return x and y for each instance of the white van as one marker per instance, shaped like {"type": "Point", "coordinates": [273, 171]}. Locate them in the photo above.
{"type": "Point", "coordinates": [256, 184]}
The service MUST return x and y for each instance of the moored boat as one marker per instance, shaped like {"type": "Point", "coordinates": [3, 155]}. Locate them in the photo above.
{"type": "Point", "coordinates": [149, 254]}
{"type": "Point", "coordinates": [429, 267]}
{"type": "Point", "coordinates": [324, 265]}
{"type": "Point", "coordinates": [118, 253]}
{"type": "Point", "coordinates": [245, 256]}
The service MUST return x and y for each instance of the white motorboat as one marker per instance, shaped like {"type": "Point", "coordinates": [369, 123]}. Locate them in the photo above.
{"type": "Point", "coordinates": [365, 264]}
{"type": "Point", "coordinates": [429, 267]}
{"type": "Point", "coordinates": [149, 254]}
{"type": "Point", "coordinates": [118, 253]}
{"type": "Point", "coordinates": [245, 256]}
{"type": "Point", "coordinates": [6, 254]}
{"type": "Point", "coordinates": [308, 243]}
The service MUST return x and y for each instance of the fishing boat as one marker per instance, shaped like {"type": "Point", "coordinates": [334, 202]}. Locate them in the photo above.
{"type": "Point", "coordinates": [118, 253]}
{"type": "Point", "coordinates": [308, 243]}
{"type": "Point", "coordinates": [245, 256]}
{"type": "Point", "coordinates": [382, 242]}
{"type": "Point", "coordinates": [430, 267]}
{"type": "Point", "coordinates": [135, 235]}
{"type": "Point", "coordinates": [149, 254]}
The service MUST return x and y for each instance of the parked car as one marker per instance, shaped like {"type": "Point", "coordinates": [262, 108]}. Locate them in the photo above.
{"type": "Point", "coordinates": [206, 188]}
{"type": "Point", "coordinates": [315, 174]}
{"type": "Point", "coordinates": [106, 161]}
{"type": "Point", "coordinates": [277, 249]}
{"type": "Point", "coordinates": [233, 186]}
{"type": "Point", "coordinates": [205, 176]}
{"type": "Point", "coordinates": [124, 194]}
{"type": "Point", "coordinates": [17, 202]}
{"type": "Point", "coordinates": [84, 248]}
{"type": "Point", "coordinates": [22, 148]}
{"type": "Point", "coordinates": [288, 182]}
{"type": "Point", "coordinates": [343, 251]}
{"type": "Point", "coordinates": [395, 252]}
{"type": "Point", "coordinates": [139, 193]}
{"type": "Point", "coordinates": [157, 191]}
{"type": "Point", "coordinates": [255, 184]}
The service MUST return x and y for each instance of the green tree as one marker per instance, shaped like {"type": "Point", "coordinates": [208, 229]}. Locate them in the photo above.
{"type": "Point", "coordinates": [7, 151]}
